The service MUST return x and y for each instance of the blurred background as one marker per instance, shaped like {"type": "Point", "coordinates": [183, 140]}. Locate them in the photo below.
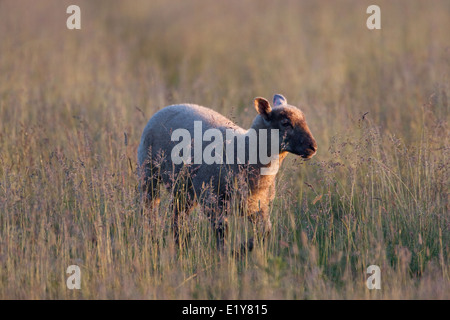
{"type": "Point", "coordinates": [222, 54]}
{"type": "Point", "coordinates": [73, 104]}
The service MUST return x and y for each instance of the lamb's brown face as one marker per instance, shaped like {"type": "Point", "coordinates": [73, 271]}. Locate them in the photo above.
{"type": "Point", "coordinates": [295, 136]}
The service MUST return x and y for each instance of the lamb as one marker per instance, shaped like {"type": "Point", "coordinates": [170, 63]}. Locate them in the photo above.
{"type": "Point", "coordinates": [211, 185]}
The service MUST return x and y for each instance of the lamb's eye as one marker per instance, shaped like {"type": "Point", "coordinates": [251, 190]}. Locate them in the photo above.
{"type": "Point", "coordinates": [286, 123]}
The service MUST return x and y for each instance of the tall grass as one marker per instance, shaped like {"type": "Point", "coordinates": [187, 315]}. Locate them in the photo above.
{"type": "Point", "coordinates": [73, 105]}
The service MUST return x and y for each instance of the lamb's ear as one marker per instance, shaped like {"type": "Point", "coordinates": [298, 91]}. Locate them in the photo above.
{"type": "Point", "coordinates": [279, 100]}
{"type": "Point", "coordinates": [263, 107]}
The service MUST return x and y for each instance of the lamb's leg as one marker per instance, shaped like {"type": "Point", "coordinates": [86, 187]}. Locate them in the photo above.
{"type": "Point", "coordinates": [151, 193]}
{"type": "Point", "coordinates": [220, 228]}
{"type": "Point", "coordinates": [219, 222]}
{"type": "Point", "coordinates": [150, 187]}
{"type": "Point", "coordinates": [182, 204]}
{"type": "Point", "coordinates": [262, 226]}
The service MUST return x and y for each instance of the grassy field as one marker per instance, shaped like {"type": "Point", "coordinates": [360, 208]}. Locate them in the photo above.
{"type": "Point", "coordinates": [73, 104]}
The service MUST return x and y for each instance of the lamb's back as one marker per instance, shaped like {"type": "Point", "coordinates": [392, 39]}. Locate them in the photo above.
{"type": "Point", "coordinates": [158, 131]}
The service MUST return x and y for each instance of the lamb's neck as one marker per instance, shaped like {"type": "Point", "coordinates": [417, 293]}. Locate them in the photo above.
{"type": "Point", "coordinates": [272, 158]}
